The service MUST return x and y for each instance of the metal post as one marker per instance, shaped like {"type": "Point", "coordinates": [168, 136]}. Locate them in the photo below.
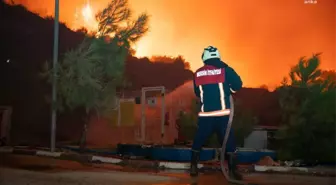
{"type": "Point", "coordinates": [119, 113]}
{"type": "Point", "coordinates": [163, 114]}
{"type": "Point", "coordinates": [143, 114]}
{"type": "Point", "coordinates": [55, 59]}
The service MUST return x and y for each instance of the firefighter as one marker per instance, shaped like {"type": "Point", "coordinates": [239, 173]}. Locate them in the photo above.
{"type": "Point", "coordinates": [213, 84]}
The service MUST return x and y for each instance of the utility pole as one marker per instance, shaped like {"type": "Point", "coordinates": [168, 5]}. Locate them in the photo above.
{"type": "Point", "coordinates": [54, 80]}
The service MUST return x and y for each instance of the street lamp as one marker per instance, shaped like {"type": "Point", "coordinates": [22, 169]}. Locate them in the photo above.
{"type": "Point", "coordinates": [55, 58]}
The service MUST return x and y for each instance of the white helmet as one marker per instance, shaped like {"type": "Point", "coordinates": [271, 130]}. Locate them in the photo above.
{"type": "Point", "coordinates": [210, 52]}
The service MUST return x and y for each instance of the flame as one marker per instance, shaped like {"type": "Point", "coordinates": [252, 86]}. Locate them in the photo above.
{"type": "Point", "coordinates": [141, 47]}
{"type": "Point", "coordinates": [87, 18]}
{"type": "Point", "coordinates": [87, 13]}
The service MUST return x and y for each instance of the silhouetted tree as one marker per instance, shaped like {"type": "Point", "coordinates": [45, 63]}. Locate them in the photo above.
{"type": "Point", "coordinates": [83, 30]}
{"type": "Point", "coordinates": [329, 77]}
{"type": "Point", "coordinates": [143, 72]}
{"type": "Point", "coordinates": [115, 20]}
{"type": "Point", "coordinates": [306, 72]}
{"type": "Point", "coordinates": [179, 61]}
{"type": "Point", "coordinates": [88, 75]}
{"type": "Point", "coordinates": [308, 107]}
{"type": "Point", "coordinates": [264, 87]}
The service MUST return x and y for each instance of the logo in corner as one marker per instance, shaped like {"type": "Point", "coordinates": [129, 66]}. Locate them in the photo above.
{"type": "Point", "coordinates": [310, 1]}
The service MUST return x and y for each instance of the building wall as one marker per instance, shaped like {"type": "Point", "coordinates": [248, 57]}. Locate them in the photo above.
{"type": "Point", "coordinates": [256, 140]}
{"type": "Point", "coordinates": [106, 132]}
{"type": "Point", "coordinates": [103, 132]}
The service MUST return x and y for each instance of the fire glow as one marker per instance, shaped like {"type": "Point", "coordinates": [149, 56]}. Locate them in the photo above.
{"type": "Point", "coordinates": [247, 35]}
{"type": "Point", "coordinates": [86, 18]}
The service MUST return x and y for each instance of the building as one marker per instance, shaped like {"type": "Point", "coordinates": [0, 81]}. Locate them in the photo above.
{"type": "Point", "coordinates": [260, 138]}
{"type": "Point", "coordinates": [124, 126]}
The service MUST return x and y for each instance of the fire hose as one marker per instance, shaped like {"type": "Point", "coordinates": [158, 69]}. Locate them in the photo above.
{"type": "Point", "coordinates": [227, 133]}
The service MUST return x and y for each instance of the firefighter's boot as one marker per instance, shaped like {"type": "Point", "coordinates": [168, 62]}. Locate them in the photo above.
{"type": "Point", "coordinates": [194, 163]}
{"type": "Point", "coordinates": [232, 165]}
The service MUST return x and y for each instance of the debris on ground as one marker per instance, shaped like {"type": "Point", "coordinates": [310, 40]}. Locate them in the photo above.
{"type": "Point", "coordinates": [295, 163]}
{"type": "Point", "coordinates": [267, 161]}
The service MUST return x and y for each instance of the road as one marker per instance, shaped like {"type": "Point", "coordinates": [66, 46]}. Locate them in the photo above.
{"type": "Point", "coordinates": [25, 177]}
{"type": "Point", "coordinates": [31, 170]}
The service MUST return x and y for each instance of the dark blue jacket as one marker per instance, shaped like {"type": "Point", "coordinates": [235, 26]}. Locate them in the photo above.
{"type": "Point", "coordinates": [213, 84]}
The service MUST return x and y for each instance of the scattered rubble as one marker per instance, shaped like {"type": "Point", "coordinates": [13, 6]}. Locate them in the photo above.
{"type": "Point", "coordinates": [267, 161]}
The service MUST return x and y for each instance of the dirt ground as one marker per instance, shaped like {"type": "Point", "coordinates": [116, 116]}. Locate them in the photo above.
{"type": "Point", "coordinates": [24, 170]}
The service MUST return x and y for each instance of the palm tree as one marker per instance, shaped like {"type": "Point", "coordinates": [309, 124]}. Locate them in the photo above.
{"type": "Point", "coordinates": [306, 71]}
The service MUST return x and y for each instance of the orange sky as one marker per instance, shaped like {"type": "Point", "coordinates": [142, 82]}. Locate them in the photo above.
{"type": "Point", "coordinates": [261, 39]}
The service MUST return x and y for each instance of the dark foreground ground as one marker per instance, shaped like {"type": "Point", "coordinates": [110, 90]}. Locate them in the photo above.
{"type": "Point", "coordinates": [31, 170]}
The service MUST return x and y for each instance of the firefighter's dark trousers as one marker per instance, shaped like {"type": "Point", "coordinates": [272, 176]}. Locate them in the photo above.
{"type": "Point", "coordinates": [209, 125]}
